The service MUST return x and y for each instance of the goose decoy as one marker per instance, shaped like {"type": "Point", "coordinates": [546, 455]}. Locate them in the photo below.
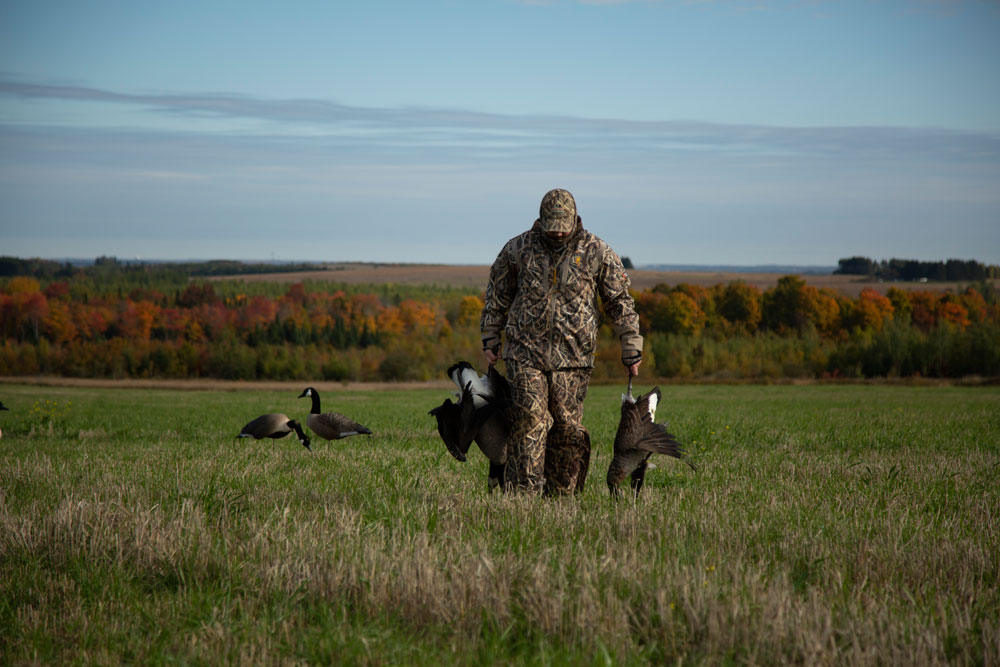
{"type": "Point", "coordinates": [274, 425]}
{"type": "Point", "coordinates": [479, 416]}
{"type": "Point", "coordinates": [330, 425]}
{"type": "Point", "coordinates": [638, 438]}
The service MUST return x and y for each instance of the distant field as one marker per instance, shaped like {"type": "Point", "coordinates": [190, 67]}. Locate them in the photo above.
{"type": "Point", "coordinates": [827, 524]}
{"type": "Point", "coordinates": [475, 277]}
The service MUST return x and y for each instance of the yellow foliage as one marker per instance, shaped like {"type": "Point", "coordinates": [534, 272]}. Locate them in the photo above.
{"type": "Point", "coordinates": [22, 285]}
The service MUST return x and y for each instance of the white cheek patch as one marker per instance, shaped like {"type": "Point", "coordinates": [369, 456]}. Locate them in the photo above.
{"type": "Point", "coordinates": [653, 400]}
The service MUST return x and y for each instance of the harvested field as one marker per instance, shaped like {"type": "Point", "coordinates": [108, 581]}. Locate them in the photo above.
{"type": "Point", "coordinates": [475, 276]}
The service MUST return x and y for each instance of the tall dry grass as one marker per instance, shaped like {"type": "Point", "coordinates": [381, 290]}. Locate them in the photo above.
{"type": "Point", "coordinates": [827, 525]}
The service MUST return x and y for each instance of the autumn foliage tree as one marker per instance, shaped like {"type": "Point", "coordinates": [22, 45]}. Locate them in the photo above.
{"type": "Point", "coordinates": [739, 304]}
{"type": "Point", "coordinates": [84, 327]}
{"type": "Point", "coordinates": [871, 310]}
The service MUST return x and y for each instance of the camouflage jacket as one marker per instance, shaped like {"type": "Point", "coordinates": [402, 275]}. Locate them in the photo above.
{"type": "Point", "coordinates": [544, 300]}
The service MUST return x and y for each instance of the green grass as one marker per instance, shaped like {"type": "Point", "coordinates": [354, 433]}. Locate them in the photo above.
{"type": "Point", "coordinates": [827, 524]}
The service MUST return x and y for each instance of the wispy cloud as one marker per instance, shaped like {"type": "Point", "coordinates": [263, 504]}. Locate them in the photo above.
{"type": "Point", "coordinates": [381, 174]}
{"type": "Point", "coordinates": [452, 129]}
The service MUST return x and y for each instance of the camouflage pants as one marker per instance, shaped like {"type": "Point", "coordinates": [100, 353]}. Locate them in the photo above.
{"type": "Point", "coordinates": [548, 449]}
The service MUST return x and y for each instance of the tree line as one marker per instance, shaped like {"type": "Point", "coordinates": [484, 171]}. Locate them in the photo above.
{"type": "Point", "coordinates": [106, 268]}
{"type": "Point", "coordinates": [912, 270]}
{"type": "Point", "coordinates": [141, 328]}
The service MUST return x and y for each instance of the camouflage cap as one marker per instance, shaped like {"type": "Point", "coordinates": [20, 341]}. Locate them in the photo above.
{"type": "Point", "coordinates": [557, 212]}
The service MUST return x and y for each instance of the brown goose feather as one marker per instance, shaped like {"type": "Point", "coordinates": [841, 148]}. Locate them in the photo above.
{"type": "Point", "coordinates": [330, 425]}
{"type": "Point", "coordinates": [637, 439]}
{"type": "Point", "coordinates": [274, 425]}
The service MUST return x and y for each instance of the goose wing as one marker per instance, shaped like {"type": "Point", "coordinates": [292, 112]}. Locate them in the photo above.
{"type": "Point", "coordinates": [448, 417]}
{"type": "Point", "coordinates": [655, 438]}
{"type": "Point", "coordinates": [644, 435]}
{"type": "Point", "coordinates": [638, 436]}
{"type": "Point", "coordinates": [499, 385]}
{"type": "Point", "coordinates": [333, 425]}
{"type": "Point", "coordinates": [271, 425]}
{"type": "Point", "coordinates": [496, 404]}
{"type": "Point", "coordinates": [470, 418]}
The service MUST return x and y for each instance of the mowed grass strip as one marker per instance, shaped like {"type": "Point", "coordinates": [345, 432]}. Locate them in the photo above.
{"type": "Point", "coordinates": [827, 524]}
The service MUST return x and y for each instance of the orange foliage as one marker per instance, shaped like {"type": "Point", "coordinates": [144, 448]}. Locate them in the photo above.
{"type": "Point", "coordinates": [822, 309]}
{"type": "Point", "coordinates": [22, 312]}
{"type": "Point", "coordinates": [259, 312]}
{"type": "Point", "coordinates": [872, 309]}
{"type": "Point", "coordinates": [364, 309]}
{"type": "Point", "coordinates": [671, 312]}
{"type": "Point", "coordinates": [135, 320]}
{"type": "Point", "coordinates": [923, 307]}
{"type": "Point", "coordinates": [59, 324]}
{"type": "Point", "coordinates": [148, 332]}
{"type": "Point", "coordinates": [953, 312]}
{"type": "Point", "coordinates": [411, 317]}
{"type": "Point", "coordinates": [975, 304]}
{"type": "Point", "coordinates": [91, 320]}
{"type": "Point", "coordinates": [213, 318]}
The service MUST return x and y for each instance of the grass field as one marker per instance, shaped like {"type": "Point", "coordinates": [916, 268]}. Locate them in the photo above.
{"type": "Point", "coordinates": [827, 524]}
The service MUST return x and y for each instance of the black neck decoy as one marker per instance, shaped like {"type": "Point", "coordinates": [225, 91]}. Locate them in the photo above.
{"type": "Point", "coordinates": [274, 425]}
{"type": "Point", "coordinates": [330, 425]}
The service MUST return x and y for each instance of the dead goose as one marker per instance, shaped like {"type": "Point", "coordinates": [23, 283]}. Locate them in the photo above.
{"type": "Point", "coordinates": [330, 425]}
{"type": "Point", "coordinates": [479, 416]}
{"type": "Point", "coordinates": [274, 425]}
{"type": "Point", "coordinates": [638, 438]}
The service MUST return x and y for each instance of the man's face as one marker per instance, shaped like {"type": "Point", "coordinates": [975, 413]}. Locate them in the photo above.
{"type": "Point", "coordinates": [557, 235]}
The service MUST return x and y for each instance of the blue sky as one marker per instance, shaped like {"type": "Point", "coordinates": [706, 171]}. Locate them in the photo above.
{"type": "Point", "coordinates": [713, 131]}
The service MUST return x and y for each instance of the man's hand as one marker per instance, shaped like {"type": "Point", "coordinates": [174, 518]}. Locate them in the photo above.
{"type": "Point", "coordinates": [632, 363]}
{"type": "Point", "coordinates": [491, 356]}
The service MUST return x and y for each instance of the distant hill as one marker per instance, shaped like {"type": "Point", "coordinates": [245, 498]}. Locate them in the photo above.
{"type": "Point", "coordinates": [731, 268]}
